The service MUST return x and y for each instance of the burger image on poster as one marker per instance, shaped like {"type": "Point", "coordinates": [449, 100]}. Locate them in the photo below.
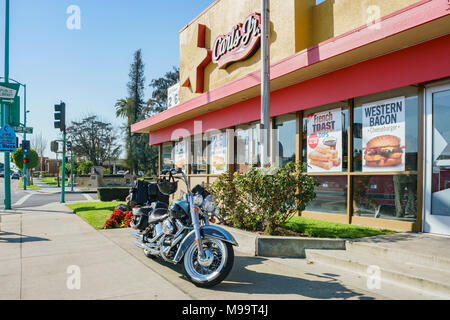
{"type": "Point", "coordinates": [384, 135]}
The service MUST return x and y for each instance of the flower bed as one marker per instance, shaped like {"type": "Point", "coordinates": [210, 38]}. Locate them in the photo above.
{"type": "Point", "coordinates": [119, 219]}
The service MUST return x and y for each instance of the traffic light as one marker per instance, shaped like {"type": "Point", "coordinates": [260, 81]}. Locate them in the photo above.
{"type": "Point", "coordinates": [60, 116]}
{"type": "Point", "coordinates": [54, 146]}
{"type": "Point", "coordinates": [25, 147]}
{"type": "Point", "coordinates": [69, 146]}
{"type": "Point", "coordinates": [26, 160]}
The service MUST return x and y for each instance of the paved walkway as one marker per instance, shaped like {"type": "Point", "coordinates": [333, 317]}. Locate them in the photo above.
{"type": "Point", "coordinates": [42, 252]}
{"type": "Point", "coordinates": [44, 249]}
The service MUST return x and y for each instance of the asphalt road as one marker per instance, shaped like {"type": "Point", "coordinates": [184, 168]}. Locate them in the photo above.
{"type": "Point", "coordinates": [37, 198]}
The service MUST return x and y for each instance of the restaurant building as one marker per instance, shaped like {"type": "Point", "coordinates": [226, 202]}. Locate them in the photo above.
{"type": "Point", "coordinates": [360, 90]}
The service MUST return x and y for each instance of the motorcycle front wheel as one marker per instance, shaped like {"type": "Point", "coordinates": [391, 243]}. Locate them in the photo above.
{"type": "Point", "coordinates": [214, 268]}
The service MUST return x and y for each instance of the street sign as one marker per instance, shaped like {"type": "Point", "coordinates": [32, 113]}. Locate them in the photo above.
{"type": "Point", "coordinates": [8, 142]}
{"type": "Point", "coordinates": [8, 92]}
{"type": "Point", "coordinates": [27, 130]}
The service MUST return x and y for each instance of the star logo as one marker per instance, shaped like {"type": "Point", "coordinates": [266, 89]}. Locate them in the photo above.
{"type": "Point", "coordinates": [195, 57]}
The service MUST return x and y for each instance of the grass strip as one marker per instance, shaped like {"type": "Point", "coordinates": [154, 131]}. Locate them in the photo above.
{"type": "Point", "coordinates": [325, 229]}
{"type": "Point", "coordinates": [95, 213]}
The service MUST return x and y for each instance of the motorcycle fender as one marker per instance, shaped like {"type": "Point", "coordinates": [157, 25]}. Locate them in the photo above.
{"type": "Point", "coordinates": [205, 231]}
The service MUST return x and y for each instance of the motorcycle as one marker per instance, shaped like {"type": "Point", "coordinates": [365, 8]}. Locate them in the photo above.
{"type": "Point", "coordinates": [182, 233]}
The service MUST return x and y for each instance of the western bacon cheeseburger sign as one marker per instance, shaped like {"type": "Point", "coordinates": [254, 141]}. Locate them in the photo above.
{"type": "Point", "coordinates": [243, 40]}
{"type": "Point", "coordinates": [384, 135]}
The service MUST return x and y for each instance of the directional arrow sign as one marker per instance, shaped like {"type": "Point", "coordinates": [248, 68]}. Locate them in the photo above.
{"type": "Point", "coordinates": [8, 92]}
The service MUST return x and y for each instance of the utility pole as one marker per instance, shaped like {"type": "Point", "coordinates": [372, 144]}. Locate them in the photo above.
{"type": "Point", "coordinates": [5, 113]}
{"type": "Point", "coordinates": [265, 83]}
{"type": "Point", "coordinates": [24, 175]}
{"type": "Point", "coordinates": [63, 169]}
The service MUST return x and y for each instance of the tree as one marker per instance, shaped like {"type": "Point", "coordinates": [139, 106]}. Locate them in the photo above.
{"type": "Point", "coordinates": [33, 159]}
{"type": "Point", "coordinates": [124, 109]}
{"type": "Point", "coordinates": [39, 142]}
{"type": "Point", "coordinates": [135, 104]}
{"type": "Point", "coordinates": [158, 101]}
{"type": "Point", "coordinates": [140, 155]}
{"type": "Point", "coordinates": [94, 140]}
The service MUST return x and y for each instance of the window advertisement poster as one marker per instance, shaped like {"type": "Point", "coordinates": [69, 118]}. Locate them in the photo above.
{"type": "Point", "coordinates": [324, 141]}
{"type": "Point", "coordinates": [218, 157]}
{"type": "Point", "coordinates": [180, 155]}
{"type": "Point", "coordinates": [383, 135]}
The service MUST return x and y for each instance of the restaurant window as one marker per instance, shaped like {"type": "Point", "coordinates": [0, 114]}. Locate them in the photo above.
{"type": "Point", "coordinates": [285, 142]}
{"type": "Point", "coordinates": [180, 154]}
{"type": "Point", "coordinates": [325, 150]}
{"type": "Point", "coordinates": [167, 156]}
{"type": "Point", "coordinates": [385, 146]}
{"type": "Point", "coordinates": [218, 152]}
{"type": "Point", "coordinates": [331, 195]}
{"type": "Point", "coordinates": [242, 148]}
{"type": "Point", "coordinates": [248, 147]}
{"type": "Point", "coordinates": [385, 196]}
{"type": "Point", "coordinates": [198, 154]}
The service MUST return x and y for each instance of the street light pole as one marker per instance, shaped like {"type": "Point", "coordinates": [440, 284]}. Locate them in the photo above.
{"type": "Point", "coordinates": [265, 83]}
{"type": "Point", "coordinates": [24, 175]}
{"type": "Point", "coordinates": [7, 176]}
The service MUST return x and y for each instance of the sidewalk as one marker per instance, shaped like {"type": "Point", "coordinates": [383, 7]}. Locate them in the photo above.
{"type": "Point", "coordinates": [41, 251]}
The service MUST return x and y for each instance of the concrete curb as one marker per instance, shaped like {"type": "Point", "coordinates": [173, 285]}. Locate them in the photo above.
{"type": "Point", "coordinates": [277, 246]}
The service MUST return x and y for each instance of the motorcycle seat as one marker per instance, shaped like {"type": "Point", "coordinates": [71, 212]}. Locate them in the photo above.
{"type": "Point", "coordinates": [158, 215]}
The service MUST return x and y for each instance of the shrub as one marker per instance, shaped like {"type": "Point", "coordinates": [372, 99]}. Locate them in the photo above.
{"type": "Point", "coordinates": [114, 193]}
{"type": "Point", "coordinates": [33, 159]}
{"type": "Point", "coordinates": [263, 199]}
{"type": "Point", "coordinates": [85, 167]}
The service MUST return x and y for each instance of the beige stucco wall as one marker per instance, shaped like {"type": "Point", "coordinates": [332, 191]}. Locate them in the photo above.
{"type": "Point", "coordinates": [335, 17]}
{"type": "Point", "coordinates": [295, 25]}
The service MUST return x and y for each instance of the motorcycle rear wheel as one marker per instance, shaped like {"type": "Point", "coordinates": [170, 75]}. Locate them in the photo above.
{"type": "Point", "coordinates": [214, 273]}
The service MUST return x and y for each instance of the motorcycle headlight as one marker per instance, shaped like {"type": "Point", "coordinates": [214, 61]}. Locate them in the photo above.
{"type": "Point", "coordinates": [198, 199]}
{"type": "Point", "coordinates": [209, 204]}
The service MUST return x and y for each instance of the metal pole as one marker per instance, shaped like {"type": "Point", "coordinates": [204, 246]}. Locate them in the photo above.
{"type": "Point", "coordinates": [57, 169]}
{"type": "Point", "coordinates": [7, 177]}
{"type": "Point", "coordinates": [71, 169]}
{"type": "Point", "coordinates": [63, 169]}
{"type": "Point", "coordinates": [25, 178]}
{"type": "Point", "coordinates": [265, 84]}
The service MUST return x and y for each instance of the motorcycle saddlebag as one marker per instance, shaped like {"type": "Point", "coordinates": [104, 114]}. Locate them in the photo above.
{"type": "Point", "coordinates": [154, 195]}
{"type": "Point", "coordinates": [140, 217]}
{"type": "Point", "coordinates": [142, 192]}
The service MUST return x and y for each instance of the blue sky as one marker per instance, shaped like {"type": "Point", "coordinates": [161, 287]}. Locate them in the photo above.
{"type": "Point", "coordinates": [88, 68]}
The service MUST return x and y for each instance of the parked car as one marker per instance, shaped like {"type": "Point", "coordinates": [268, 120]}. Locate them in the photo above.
{"type": "Point", "coordinates": [15, 175]}
{"type": "Point", "coordinates": [121, 172]}
{"type": "Point", "coordinates": [2, 174]}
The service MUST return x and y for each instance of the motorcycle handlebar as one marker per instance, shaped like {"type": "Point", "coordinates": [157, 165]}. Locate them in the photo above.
{"type": "Point", "coordinates": [171, 171]}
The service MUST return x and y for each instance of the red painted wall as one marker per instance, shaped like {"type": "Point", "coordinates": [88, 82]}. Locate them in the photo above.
{"type": "Point", "coordinates": [423, 62]}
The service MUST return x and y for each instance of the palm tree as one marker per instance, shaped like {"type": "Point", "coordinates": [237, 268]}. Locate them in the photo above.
{"type": "Point", "coordinates": [124, 109]}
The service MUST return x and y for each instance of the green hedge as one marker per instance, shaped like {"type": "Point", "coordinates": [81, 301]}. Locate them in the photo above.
{"type": "Point", "coordinates": [113, 194]}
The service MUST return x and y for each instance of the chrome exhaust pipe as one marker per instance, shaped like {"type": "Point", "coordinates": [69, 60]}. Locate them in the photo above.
{"type": "Point", "coordinates": [138, 235]}
{"type": "Point", "coordinates": [145, 247]}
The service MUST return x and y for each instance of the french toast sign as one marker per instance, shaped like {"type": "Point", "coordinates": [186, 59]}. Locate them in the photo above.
{"type": "Point", "coordinates": [324, 142]}
{"type": "Point", "coordinates": [383, 135]}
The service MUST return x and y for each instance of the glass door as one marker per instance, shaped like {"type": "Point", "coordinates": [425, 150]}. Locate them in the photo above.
{"type": "Point", "coordinates": [437, 160]}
